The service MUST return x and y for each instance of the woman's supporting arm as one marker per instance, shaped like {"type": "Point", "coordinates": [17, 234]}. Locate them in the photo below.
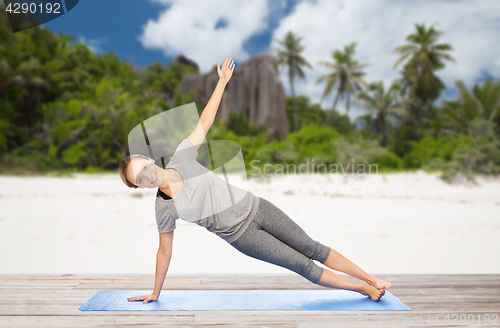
{"type": "Point", "coordinates": [207, 117]}
{"type": "Point", "coordinates": [162, 264]}
{"type": "Point", "coordinates": [163, 259]}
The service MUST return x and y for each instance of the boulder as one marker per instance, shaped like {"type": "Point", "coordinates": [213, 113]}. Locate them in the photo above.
{"type": "Point", "coordinates": [181, 59]}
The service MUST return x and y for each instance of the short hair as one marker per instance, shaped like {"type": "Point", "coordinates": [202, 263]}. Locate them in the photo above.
{"type": "Point", "coordinates": [124, 167]}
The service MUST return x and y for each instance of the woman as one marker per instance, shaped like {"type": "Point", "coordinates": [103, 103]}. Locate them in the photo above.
{"type": "Point", "coordinates": [253, 225]}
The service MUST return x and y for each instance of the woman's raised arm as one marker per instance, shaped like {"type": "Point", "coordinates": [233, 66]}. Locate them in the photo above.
{"type": "Point", "coordinates": [208, 115]}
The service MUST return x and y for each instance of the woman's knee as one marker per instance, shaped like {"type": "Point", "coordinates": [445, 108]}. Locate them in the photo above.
{"type": "Point", "coordinates": [317, 251]}
{"type": "Point", "coordinates": [311, 272]}
{"type": "Point", "coordinates": [322, 252]}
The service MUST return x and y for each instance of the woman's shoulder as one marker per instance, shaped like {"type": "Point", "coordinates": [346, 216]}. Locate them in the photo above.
{"type": "Point", "coordinates": [174, 162]}
{"type": "Point", "coordinates": [164, 208]}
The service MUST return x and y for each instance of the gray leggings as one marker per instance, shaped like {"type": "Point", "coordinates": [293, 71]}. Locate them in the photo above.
{"type": "Point", "coordinates": [275, 238]}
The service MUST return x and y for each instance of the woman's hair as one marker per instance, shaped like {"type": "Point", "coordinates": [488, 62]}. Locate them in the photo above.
{"type": "Point", "coordinates": [124, 167]}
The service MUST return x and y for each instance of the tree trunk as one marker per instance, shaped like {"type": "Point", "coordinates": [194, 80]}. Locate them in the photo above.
{"type": "Point", "coordinates": [384, 131]}
{"type": "Point", "coordinates": [347, 104]}
{"type": "Point", "coordinates": [494, 112]}
{"type": "Point", "coordinates": [333, 107]}
{"type": "Point", "coordinates": [294, 105]}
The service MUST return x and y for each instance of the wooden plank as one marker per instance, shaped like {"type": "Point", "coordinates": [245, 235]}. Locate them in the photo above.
{"type": "Point", "coordinates": [413, 281]}
{"type": "Point", "coordinates": [95, 281]}
{"type": "Point", "coordinates": [55, 321]}
{"type": "Point", "coordinates": [272, 317]}
{"type": "Point", "coordinates": [398, 277]}
{"type": "Point", "coordinates": [170, 319]}
{"type": "Point", "coordinates": [21, 286]}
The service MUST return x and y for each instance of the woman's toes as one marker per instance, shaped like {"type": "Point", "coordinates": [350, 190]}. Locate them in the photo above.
{"type": "Point", "coordinates": [381, 293]}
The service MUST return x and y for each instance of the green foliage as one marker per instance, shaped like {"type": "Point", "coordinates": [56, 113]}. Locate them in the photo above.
{"type": "Point", "coordinates": [64, 107]}
{"type": "Point", "coordinates": [482, 155]}
{"type": "Point", "coordinates": [313, 114]}
{"type": "Point", "coordinates": [366, 153]}
{"type": "Point", "coordinates": [326, 149]}
{"type": "Point", "coordinates": [74, 154]}
{"type": "Point", "coordinates": [240, 125]}
{"type": "Point", "coordinates": [249, 143]}
{"type": "Point", "coordinates": [385, 105]}
{"type": "Point", "coordinates": [429, 148]}
{"type": "Point", "coordinates": [483, 103]}
{"type": "Point", "coordinates": [310, 144]}
{"type": "Point", "coordinates": [389, 162]}
{"type": "Point", "coordinates": [163, 79]}
{"type": "Point", "coordinates": [314, 141]}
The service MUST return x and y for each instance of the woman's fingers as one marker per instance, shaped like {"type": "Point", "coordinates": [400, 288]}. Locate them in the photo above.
{"type": "Point", "coordinates": [151, 298]}
{"type": "Point", "coordinates": [137, 298]}
{"type": "Point", "coordinates": [229, 63]}
{"type": "Point", "coordinates": [144, 298]}
{"type": "Point", "coordinates": [227, 68]}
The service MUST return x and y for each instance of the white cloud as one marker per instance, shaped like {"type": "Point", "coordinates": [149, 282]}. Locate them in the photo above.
{"type": "Point", "coordinates": [472, 28]}
{"type": "Point", "coordinates": [93, 44]}
{"type": "Point", "coordinates": [189, 27]}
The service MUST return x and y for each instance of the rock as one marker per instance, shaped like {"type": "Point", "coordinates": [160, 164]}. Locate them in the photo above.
{"type": "Point", "coordinates": [255, 90]}
{"type": "Point", "coordinates": [181, 59]}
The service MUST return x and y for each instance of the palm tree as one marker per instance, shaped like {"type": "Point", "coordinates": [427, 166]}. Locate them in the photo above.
{"type": "Point", "coordinates": [289, 56]}
{"type": "Point", "coordinates": [347, 75]}
{"type": "Point", "coordinates": [425, 56]}
{"type": "Point", "coordinates": [384, 104]}
{"type": "Point", "coordinates": [484, 103]}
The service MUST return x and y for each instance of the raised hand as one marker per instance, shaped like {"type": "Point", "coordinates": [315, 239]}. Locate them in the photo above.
{"type": "Point", "coordinates": [226, 71]}
{"type": "Point", "coordinates": [144, 298]}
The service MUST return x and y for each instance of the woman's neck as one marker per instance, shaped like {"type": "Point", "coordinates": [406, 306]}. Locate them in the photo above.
{"type": "Point", "coordinates": [167, 180]}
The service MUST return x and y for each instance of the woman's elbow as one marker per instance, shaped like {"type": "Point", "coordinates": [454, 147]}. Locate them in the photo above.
{"type": "Point", "coordinates": [164, 252]}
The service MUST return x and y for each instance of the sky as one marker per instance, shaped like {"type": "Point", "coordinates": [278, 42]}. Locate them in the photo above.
{"type": "Point", "coordinates": [144, 31]}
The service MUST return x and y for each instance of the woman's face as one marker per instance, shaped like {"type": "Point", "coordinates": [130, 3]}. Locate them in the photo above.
{"type": "Point", "coordinates": [145, 174]}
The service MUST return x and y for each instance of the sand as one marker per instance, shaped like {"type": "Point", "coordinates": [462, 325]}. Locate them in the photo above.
{"type": "Point", "coordinates": [393, 223]}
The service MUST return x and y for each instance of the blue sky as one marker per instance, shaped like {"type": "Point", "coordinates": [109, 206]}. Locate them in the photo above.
{"type": "Point", "coordinates": [117, 25]}
{"type": "Point", "coordinates": [143, 31]}
{"type": "Point", "coordinates": [112, 25]}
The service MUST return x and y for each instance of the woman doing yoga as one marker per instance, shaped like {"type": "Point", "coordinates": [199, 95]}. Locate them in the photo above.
{"type": "Point", "coordinates": [252, 225]}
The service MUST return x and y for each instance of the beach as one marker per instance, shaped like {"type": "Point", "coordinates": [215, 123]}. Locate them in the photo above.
{"type": "Point", "coordinates": [385, 223]}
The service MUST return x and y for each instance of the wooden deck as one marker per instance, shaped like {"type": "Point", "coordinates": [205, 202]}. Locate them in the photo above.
{"type": "Point", "coordinates": [53, 301]}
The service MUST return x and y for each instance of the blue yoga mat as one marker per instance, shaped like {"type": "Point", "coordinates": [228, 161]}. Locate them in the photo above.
{"type": "Point", "coordinates": [243, 300]}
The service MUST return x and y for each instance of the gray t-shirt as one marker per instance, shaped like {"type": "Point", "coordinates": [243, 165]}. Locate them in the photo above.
{"type": "Point", "coordinates": [205, 199]}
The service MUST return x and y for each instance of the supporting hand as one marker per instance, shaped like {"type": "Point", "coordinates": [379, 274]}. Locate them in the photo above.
{"type": "Point", "coordinates": [144, 298]}
{"type": "Point", "coordinates": [226, 71]}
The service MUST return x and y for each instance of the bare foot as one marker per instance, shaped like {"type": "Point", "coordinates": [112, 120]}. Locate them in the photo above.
{"type": "Point", "coordinates": [374, 293]}
{"type": "Point", "coordinates": [380, 283]}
